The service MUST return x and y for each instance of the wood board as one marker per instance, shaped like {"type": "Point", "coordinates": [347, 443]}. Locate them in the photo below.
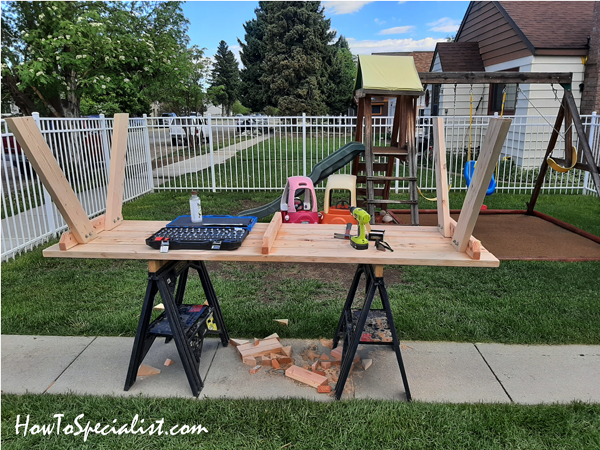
{"type": "Point", "coordinates": [294, 243]}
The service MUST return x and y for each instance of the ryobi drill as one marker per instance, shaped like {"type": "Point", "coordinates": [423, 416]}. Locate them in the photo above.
{"type": "Point", "coordinates": [360, 242]}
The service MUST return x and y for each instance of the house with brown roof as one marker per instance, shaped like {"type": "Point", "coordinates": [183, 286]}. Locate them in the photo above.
{"type": "Point", "coordinates": [524, 37]}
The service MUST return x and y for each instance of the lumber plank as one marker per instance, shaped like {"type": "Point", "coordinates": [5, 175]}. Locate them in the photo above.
{"type": "Point", "coordinates": [441, 175]}
{"type": "Point", "coordinates": [154, 266]}
{"type": "Point", "coordinates": [271, 233]}
{"type": "Point", "coordinates": [67, 239]}
{"type": "Point", "coordinates": [490, 151]}
{"type": "Point", "coordinates": [265, 347]}
{"type": "Point", "coordinates": [306, 243]}
{"type": "Point", "coordinates": [495, 77]}
{"type": "Point", "coordinates": [116, 178]}
{"type": "Point", "coordinates": [305, 376]}
{"type": "Point", "coordinates": [45, 165]}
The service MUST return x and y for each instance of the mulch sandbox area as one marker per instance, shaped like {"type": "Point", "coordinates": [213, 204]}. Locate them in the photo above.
{"type": "Point", "coordinates": [516, 236]}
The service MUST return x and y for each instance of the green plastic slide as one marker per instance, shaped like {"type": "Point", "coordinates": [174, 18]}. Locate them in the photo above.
{"type": "Point", "coordinates": [321, 171]}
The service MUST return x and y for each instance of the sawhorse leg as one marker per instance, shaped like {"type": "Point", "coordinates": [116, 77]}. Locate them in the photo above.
{"type": "Point", "coordinates": [170, 280]}
{"type": "Point", "coordinates": [352, 333]}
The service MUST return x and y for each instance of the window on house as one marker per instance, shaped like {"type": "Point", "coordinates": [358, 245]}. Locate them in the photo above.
{"type": "Point", "coordinates": [497, 94]}
{"type": "Point", "coordinates": [377, 109]}
{"type": "Point", "coordinates": [435, 100]}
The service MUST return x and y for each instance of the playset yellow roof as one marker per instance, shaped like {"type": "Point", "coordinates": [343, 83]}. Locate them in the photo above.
{"type": "Point", "coordinates": [389, 75]}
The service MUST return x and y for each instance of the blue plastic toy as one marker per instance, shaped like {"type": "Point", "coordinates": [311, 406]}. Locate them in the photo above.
{"type": "Point", "coordinates": [469, 169]}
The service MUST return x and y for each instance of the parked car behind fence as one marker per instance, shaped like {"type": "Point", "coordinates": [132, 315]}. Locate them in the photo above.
{"type": "Point", "coordinates": [185, 129]}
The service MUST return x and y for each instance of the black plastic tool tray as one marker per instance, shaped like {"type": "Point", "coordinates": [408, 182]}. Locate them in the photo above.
{"type": "Point", "coordinates": [191, 322]}
{"type": "Point", "coordinates": [204, 238]}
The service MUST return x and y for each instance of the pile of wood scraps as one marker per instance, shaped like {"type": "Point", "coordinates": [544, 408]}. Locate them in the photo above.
{"type": "Point", "coordinates": [314, 368]}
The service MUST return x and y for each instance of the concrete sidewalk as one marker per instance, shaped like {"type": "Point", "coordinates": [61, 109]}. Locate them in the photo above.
{"type": "Point", "coordinates": [437, 371]}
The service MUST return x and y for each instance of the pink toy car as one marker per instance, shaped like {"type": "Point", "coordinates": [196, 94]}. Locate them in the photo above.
{"type": "Point", "coordinates": [293, 208]}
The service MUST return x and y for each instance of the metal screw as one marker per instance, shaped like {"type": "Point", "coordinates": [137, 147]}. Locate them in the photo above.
{"type": "Point", "coordinates": [86, 236]}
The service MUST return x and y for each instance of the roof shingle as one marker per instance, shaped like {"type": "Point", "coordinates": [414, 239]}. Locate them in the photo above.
{"type": "Point", "coordinates": [460, 57]}
{"type": "Point", "coordinates": [553, 24]}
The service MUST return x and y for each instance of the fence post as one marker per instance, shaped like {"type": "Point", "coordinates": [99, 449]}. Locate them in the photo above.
{"type": "Point", "coordinates": [593, 125]}
{"type": "Point", "coordinates": [147, 150]}
{"type": "Point", "coordinates": [105, 144]}
{"type": "Point", "coordinates": [304, 144]}
{"type": "Point", "coordinates": [47, 199]}
{"type": "Point", "coordinates": [212, 156]}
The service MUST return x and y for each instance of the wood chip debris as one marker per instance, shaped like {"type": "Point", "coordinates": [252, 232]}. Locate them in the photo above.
{"type": "Point", "coordinates": [146, 370]}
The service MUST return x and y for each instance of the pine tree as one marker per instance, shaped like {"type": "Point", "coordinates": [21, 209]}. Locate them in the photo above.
{"type": "Point", "coordinates": [226, 74]}
{"type": "Point", "coordinates": [295, 72]}
{"type": "Point", "coordinates": [342, 75]}
{"type": "Point", "coordinates": [252, 54]}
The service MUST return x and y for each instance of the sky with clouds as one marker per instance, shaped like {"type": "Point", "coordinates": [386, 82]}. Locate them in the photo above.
{"type": "Point", "coordinates": [369, 26]}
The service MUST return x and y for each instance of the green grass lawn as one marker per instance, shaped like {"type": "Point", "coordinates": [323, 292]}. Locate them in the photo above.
{"type": "Point", "coordinates": [520, 302]}
{"type": "Point", "coordinates": [301, 424]}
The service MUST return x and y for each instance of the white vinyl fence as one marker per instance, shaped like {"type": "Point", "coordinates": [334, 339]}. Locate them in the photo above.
{"type": "Point", "coordinates": [82, 150]}
{"type": "Point", "coordinates": [249, 153]}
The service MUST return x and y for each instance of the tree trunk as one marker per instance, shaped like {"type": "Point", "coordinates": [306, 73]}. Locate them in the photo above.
{"type": "Point", "coordinates": [23, 100]}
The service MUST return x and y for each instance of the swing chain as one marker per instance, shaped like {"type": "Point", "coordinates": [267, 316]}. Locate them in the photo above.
{"type": "Point", "coordinates": [454, 107]}
{"type": "Point", "coordinates": [555, 92]}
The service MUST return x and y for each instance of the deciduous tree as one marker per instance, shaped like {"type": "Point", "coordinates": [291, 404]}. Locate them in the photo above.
{"type": "Point", "coordinates": [123, 53]}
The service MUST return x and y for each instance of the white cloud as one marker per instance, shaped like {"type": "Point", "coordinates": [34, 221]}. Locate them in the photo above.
{"type": "Point", "coordinates": [367, 47]}
{"type": "Point", "coordinates": [379, 22]}
{"type": "Point", "coordinates": [398, 30]}
{"type": "Point", "coordinates": [444, 25]}
{"type": "Point", "coordinates": [336, 8]}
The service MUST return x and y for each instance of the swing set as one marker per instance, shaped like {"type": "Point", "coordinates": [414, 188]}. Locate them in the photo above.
{"type": "Point", "coordinates": [567, 113]}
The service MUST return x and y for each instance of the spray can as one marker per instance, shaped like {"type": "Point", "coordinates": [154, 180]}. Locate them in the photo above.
{"type": "Point", "coordinates": [195, 208]}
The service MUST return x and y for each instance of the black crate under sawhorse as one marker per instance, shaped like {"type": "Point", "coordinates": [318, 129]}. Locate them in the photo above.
{"type": "Point", "coordinates": [366, 326]}
{"type": "Point", "coordinates": [179, 322]}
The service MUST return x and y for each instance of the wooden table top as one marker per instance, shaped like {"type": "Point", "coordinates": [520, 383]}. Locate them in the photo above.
{"type": "Point", "coordinates": [294, 243]}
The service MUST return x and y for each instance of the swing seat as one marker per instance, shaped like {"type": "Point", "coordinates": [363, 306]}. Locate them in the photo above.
{"type": "Point", "coordinates": [469, 169]}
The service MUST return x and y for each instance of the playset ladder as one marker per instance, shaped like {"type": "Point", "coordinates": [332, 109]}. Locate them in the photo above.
{"type": "Point", "coordinates": [355, 325]}
{"type": "Point", "coordinates": [402, 147]}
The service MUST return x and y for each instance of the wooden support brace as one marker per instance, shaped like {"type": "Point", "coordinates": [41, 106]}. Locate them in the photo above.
{"type": "Point", "coordinates": [441, 177]}
{"type": "Point", "coordinates": [116, 179]}
{"type": "Point", "coordinates": [271, 233]}
{"type": "Point", "coordinates": [474, 246]}
{"type": "Point", "coordinates": [544, 167]}
{"type": "Point", "coordinates": [67, 240]}
{"type": "Point", "coordinates": [154, 266]}
{"type": "Point", "coordinates": [490, 151]}
{"type": "Point", "coordinates": [45, 165]}
{"type": "Point", "coordinates": [378, 271]}
{"type": "Point", "coordinates": [583, 140]}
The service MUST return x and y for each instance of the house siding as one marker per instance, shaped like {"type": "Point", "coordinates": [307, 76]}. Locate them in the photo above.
{"type": "Point", "coordinates": [498, 41]}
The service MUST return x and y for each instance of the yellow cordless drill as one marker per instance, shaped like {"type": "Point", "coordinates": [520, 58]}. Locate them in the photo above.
{"type": "Point", "coordinates": [360, 242]}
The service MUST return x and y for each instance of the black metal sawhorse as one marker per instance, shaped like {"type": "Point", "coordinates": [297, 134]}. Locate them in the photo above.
{"type": "Point", "coordinates": [352, 324]}
{"type": "Point", "coordinates": [183, 323]}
